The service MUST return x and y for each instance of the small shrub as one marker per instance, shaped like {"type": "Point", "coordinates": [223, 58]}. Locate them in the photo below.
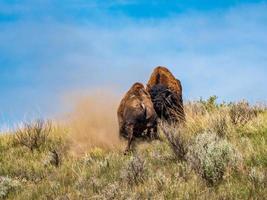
{"type": "Point", "coordinates": [210, 104]}
{"type": "Point", "coordinates": [58, 148]}
{"type": "Point", "coordinates": [257, 177]}
{"type": "Point", "coordinates": [111, 191]}
{"type": "Point", "coordinates": [219, 124]}
{"type": "Point", "coordinates": [210, 155]}
{"type": "Point", "coordinates": [176, 140]}
{"type": "Point", "coordinates": [7, 185]}
{"type": "Point", "coordinates": [33, 135]}
{"type": "Point", "coordinates": [53, 158]}
{"type": "Point", "coordinates": [241, 113]}
{"type": "Point", "coordinates": [135, 171]}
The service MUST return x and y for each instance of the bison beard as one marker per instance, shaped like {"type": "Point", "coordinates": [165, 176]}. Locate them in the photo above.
{"type": "Point", "coordinates": [166, 94]}
{"type": "Point", "coordinates": [136, 115]}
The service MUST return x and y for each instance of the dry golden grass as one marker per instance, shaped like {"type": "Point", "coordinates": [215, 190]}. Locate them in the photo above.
{"type": "Point", "coordinates": [222, 160]}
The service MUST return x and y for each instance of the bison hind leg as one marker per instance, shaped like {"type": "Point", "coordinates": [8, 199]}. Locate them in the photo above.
{"type": "Point", "coordinates": [129, 130]}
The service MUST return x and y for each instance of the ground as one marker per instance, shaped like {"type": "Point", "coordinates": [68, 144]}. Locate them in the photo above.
{"type": "Point", "coordinates": [220, 153]}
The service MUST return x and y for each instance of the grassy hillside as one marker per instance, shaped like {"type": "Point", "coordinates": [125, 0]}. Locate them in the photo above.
{"type": "Point", "coordinates": [220, 153]}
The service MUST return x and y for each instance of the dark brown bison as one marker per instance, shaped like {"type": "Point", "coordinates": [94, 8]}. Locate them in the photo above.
{"type": "Point", "coordinates": [166, 94]}
{"type": "Point", "coordinates": [136, 115]}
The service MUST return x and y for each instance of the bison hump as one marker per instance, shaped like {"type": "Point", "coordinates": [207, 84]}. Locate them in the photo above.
{"type": "Point", "coordinates": [161, 75]}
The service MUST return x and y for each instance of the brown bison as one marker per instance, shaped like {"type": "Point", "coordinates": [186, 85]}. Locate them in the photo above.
{"type": "Point", "coordinates": [137, 115]}
{"type": "Point", "coordinates": [166, 93]}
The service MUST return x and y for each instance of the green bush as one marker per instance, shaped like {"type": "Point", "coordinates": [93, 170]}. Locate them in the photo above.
{"type": "Point", "coordinates": [210, 156]}
{"type": "Point", "coordinates": [258, 177]}
{"type": "Point", "coordinates": [7, 185]}
{"type": "Point", "coordinates": [135, 171]}
{"type": "Point", "coordinates": [242, 112]}
{"type": "Point", "coordinates": [210, 104]}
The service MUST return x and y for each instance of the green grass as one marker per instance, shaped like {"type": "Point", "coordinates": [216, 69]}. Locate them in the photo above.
{"type": "Point", "coordinates": [152, 171]}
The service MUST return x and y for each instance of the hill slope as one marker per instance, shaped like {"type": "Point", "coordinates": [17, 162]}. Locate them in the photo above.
{"type": "Point", "coordinates": [220, 153]}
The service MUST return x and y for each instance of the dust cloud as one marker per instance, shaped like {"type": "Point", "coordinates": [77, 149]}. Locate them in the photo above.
{"type": "Point", "coordinates": [92, 122]}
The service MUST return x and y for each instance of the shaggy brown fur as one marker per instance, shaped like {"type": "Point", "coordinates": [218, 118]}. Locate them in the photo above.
{"type": "Point", "coordinates": [166, 94]}
{"type": "Point", "coordinates": [136, 114]}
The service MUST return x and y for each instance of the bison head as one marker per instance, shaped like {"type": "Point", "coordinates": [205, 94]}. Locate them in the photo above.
{"type": "Point", "coordinates": [163, 100]}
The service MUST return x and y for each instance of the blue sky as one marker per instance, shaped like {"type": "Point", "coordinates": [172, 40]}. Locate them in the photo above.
{"type": "Point", "coordinates": [51, 48]}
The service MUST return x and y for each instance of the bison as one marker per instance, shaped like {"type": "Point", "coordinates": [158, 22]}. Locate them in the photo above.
{"type": "Point", "coordinates": [166, 93]}
{"type": "Point", "coordinates": [136, 115]}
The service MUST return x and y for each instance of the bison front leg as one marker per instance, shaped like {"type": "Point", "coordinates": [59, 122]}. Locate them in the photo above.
{"type": "Point", "coordinates": [129, 130]}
